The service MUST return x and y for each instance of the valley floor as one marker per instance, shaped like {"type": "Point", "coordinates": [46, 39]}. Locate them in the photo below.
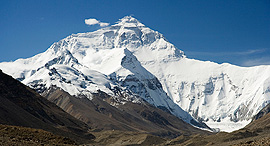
{"type": "Point", "coordinates": [14, 135]}
{"type": "Point", "coordinates": [242, 137]}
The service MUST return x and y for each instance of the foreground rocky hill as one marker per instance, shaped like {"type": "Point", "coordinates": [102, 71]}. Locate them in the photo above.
{"type": "Point", "coordinates": [22, 106]}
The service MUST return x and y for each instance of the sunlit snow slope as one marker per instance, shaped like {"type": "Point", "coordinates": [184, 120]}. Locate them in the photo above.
{"type": "Point", "coordinates": [133, 59]}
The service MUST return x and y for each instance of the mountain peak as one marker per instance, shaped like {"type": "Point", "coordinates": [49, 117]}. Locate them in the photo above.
{"type": "Point", "coordinates": [129, 21]}
{"type": "Point", "coordinates": [217, 94]}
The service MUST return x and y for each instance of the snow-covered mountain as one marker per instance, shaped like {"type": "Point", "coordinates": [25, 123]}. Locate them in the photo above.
{"type": "Point", "coordinates": [130, 59]}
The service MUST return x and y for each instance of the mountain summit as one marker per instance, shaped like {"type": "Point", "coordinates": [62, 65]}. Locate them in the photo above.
{"type": "Point", "coordinates": [138, 62]}
{"type": "Point", "coordinates": [129, 21]}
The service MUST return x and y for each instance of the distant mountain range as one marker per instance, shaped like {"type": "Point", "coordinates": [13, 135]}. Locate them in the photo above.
{"type": "Point", "coordinates": [132, 65]}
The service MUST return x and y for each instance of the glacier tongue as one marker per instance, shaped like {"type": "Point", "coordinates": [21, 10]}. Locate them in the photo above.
{"type": "Point", "coordinates": [142, 62]}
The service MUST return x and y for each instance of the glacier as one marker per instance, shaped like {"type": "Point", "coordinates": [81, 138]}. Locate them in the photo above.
{"type": "Point", "coordinates": [131, 59]}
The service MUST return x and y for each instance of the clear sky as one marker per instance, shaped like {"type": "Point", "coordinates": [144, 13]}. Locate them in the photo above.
{"type": "Point", "coordinates": [236, 32]}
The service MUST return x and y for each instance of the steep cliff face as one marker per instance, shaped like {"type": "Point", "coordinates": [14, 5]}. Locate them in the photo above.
{"type": "Point", "coordinates": [130, 59]}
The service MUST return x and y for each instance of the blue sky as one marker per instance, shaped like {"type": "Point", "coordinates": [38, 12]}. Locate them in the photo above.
{"type": "Point", "coordinates": [236, 32]}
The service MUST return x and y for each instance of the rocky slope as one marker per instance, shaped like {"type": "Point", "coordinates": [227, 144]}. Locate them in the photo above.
{"type": "Point", "coordinates": [261, 120]}
{"type": "Point", "coordinates": [22, 106]}
{"type": "Point", "coordinates": [141, 117]}
{"type": "Point", "coordinates": [131, 59]}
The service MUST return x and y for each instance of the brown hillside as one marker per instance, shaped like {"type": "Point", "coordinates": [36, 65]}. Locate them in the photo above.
{"type": "Point", "coordinates": [21, 106]}
{"type": "Point", "coordinates": [100, 115]}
